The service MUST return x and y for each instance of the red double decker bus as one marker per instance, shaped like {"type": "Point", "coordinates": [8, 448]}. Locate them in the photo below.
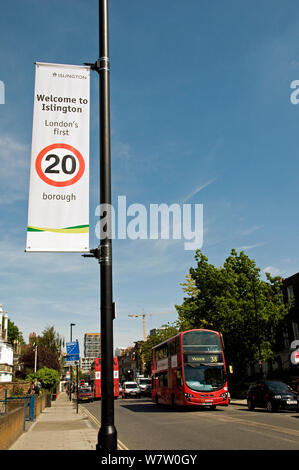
{"type": "Point", "coordinates": [97, 378]}
{"type": "Point", "coordinates": [189, 369]}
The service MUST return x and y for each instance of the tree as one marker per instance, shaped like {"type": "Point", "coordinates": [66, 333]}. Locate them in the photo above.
{"type": "Point", "coordinates": [234, 300]}
{"type": "Point", "coordinates": [49, 378]}
{"type": "Point", "coordinates": [144, 348]}
{"type": "Point", "coordinates": [50, 339]}
{"type": "Point", "coordinates": [13, 333]}
{"type": "Point", "coordinates": [45, 358]}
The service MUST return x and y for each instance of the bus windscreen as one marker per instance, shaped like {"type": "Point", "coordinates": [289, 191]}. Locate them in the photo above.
{"type": "Point", "coordinates": [203, 361]}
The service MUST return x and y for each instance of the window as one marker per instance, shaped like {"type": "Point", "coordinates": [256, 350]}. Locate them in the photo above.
{"type": "Point", "coordinates": [295, 329]}
{"type": "Point", "coordinates": [290, 291]}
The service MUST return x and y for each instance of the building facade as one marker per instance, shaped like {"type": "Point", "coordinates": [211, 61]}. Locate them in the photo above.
{"type": "Point", "coordinates": [86, 363]}
{"type": "Point", "coordinates": [6, 351]}
{"type": "Point", "coordinates": [281, 366]}
{"type": "Point", "coordinates": [92, 350]}
{"type": "Point", "coordinates": [92, 345]}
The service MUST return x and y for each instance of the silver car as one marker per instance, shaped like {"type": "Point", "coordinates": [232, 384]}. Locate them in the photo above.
{"type": "Point", "coordinates": [130, 390]}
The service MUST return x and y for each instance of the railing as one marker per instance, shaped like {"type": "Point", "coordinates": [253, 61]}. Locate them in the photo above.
{"type": "Point", "coordinates": [10, 403]}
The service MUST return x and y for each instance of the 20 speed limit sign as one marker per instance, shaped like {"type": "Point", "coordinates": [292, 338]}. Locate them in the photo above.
{"type": "Point", "coordinates": [60, 165]}
{"type": "Point", "coordinates": [58, 206]}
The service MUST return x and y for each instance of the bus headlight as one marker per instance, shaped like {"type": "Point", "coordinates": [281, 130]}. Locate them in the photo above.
{"type": "Point", "coordinates": [224, 395]}
{"type": "Point", "coordinates": [188, 396]}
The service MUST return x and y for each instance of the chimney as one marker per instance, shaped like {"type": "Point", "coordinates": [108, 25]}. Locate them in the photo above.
{"type": "Point", "coordinates": [1, 313]}
{"type": "Point", "coordinates": [5, 327]}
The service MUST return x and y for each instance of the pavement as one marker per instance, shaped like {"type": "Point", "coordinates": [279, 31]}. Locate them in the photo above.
{"type": "Point", "coordinates": [60, 427]}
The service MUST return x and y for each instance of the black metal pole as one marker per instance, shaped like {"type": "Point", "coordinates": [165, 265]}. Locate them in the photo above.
{"type": "Point", "coordinates": [77, 386]}
{"type": "Point", "coordinates": [107, 437]}
{"type": "Point", "coordinates": [71, 370]}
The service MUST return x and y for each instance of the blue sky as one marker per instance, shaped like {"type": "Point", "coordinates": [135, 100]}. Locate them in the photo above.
{"type": "Point", "coordinates": [200, 113]}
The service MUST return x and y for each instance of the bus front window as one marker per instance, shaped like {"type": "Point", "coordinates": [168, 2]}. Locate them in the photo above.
{"type": "Point", "coordinates": [203, 360]}
{"type": "Point", "coordinates": [204, 378]}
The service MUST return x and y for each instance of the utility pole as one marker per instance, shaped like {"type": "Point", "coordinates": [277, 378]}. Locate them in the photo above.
{"type": "Point", "coordinates": [107, 437]}
{"type": "Point", "coordinates": [35, 360]}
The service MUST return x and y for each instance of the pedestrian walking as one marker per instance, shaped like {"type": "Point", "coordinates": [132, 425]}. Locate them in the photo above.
{"type": "Point", "coordinates": [31, 389]}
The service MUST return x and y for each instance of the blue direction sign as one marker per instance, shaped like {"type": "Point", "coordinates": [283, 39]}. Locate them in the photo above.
{"type": "Point", "coordinates": [72, 351]}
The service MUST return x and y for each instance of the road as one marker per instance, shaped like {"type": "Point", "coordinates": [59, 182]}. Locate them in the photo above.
{"type": "Point", "coordinates": [142, 425]}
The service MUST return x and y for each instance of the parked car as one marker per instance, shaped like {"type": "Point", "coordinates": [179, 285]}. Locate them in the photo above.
{"type": "Point", "coordinates": [130, 389]}
{"type": "Point", "coordinates": [85, 394]}
{"type": "Point", "coordinates": [273, 395]}
{"type": "Point", "coordinates": [145, 385]}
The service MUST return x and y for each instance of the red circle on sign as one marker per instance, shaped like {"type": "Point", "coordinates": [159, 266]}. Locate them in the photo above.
{"type": "Point", "coordinates": [42, 153]}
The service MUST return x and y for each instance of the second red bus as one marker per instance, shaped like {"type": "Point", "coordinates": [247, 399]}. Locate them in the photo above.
{"type": "Point", "coordinates": [97, 378]}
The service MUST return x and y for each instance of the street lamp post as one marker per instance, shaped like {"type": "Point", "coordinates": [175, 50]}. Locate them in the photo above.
{"type": "Point", "coordinates": [35, 361]}
{"type": "Point", "coordinates": [107, 436]}
{"type": "Point", "coordinates": [71, 338]}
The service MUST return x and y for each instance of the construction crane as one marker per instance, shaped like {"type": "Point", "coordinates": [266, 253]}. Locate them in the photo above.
{"type": "Point", "coordinates": [143, 315]}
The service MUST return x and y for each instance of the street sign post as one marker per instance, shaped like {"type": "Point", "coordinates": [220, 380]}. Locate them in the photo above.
{"type": "Point", "coordinates": [72, 352]}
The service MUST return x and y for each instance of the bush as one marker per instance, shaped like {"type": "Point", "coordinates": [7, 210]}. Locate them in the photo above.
{"type": "Point", "coordinates": [17, 391]}
{"type": "Point", "coordinates": [49, 378]}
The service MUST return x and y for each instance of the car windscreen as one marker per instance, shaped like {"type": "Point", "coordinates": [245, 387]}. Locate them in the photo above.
{"type": "Point", "coordinates": [131, 385]}
{"type": "Point", "coordinates": [84, 390]}
{"type": "Point", "coordinates": [278, 387]}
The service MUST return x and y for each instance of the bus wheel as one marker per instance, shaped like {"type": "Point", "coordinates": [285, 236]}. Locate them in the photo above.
{"type": "Point", "coordinates": [172, 402]}
{"type": "Point", "coordinates": [156, 400]}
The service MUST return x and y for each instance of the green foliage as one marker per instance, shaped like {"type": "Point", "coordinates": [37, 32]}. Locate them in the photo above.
{"type": "Point", "coordinates": [49, 378]}
{"type": "Point", "coordinates": [50, 339]}
{"type": "Point", "coordinates": [45, 358]}
{"type": "Point", "coordinates": [234, 300]}
{"type": "Point", "coordinates": [48, 347]}
{"type": "Point", "coordinates": [13, 333]}
{"type": "Point", "coordinates": [144, 348]}
{"type": "Point", "coordinates": [17, 391]}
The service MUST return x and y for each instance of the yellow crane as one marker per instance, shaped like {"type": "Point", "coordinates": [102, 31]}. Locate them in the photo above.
{"type": "Point", "coordinates": [143, 315]}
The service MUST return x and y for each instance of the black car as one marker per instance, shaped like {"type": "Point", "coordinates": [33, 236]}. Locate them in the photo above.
{"type": "Point", "coordinates": [273, 395]}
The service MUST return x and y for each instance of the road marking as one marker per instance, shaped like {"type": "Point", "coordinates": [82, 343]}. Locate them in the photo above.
{"type": "Point", "coordinates": [120, 445]}
{"type": "Point", "coordinates": [271, 427]}
{"type": "Point", "coordinates": [263, 433]}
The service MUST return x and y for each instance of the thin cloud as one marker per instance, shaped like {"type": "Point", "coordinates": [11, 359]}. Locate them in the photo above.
{"type": "Point", "coordinates": [251, 230]}
{"type": "Point", "coordinates": [249, 247]}
{"type": "Point", "coordinates": [272, 270]}
{"type": "Point", "coordinates": [199, 188]}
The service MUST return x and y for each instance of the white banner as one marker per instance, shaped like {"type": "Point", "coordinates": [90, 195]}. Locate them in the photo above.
{"type": "Point", "coordinates": [58, 209]}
